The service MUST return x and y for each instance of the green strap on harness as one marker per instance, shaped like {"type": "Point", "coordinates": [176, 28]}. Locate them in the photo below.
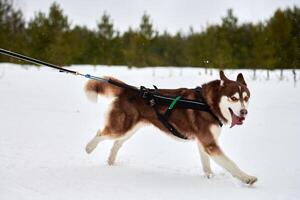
{"type": "Point", "coordinates": [174, 102]}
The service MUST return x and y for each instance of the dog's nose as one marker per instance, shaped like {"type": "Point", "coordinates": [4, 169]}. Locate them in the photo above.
{"type": "Point", "coordinates": [244, 112]}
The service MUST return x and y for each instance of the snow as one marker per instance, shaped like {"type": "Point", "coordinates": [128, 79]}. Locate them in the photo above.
{"type": "Point", "coordinates": [46, 122]}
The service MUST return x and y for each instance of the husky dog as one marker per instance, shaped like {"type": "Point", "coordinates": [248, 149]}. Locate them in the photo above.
{"type": "Point", "coordinates": [227, 99]}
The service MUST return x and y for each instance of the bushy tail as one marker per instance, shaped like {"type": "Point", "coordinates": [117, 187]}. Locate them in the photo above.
{"type": "Point", "coordinates": [94, 88]}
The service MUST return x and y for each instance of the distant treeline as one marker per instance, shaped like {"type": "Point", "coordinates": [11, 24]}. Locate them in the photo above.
{"type": "Point", "coordinates": [272, 44]}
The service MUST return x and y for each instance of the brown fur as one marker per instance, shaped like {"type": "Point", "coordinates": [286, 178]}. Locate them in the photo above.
{"type": "Point", "coordinates": [128, 109]}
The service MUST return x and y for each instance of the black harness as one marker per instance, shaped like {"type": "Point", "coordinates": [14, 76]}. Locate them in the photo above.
{"type": "Point", "coordinates": [150, 96]}
{"type": "Point", "coordinates": [154, 99]}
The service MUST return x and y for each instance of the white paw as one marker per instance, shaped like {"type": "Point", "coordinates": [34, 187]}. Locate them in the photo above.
{"type": "Point", "coordinates": [110, 161]}
{"type": "Point", "coordinates": [247, 179]}
{"type": "Point", "coordinates": [209, 175]}
{"type": "Point", "coordinates": [90, 147]}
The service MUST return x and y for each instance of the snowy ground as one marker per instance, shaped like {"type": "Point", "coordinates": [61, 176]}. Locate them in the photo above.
{"type": "Point", "coordinates": [46, 121]}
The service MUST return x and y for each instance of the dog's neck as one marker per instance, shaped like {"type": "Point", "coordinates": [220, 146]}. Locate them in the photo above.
{"type": "Point", "coordinates": [211, 94]}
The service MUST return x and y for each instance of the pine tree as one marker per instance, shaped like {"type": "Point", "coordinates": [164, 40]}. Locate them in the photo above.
{"type": "Point", "coordinates": [106, 40]}
{"type": "Point", "coordinates": [146, 28]}
{"type": "Point", "coordinates": [47, 36]}
{"type": "Point", "coordinates": [105, 27]}
{"type": "Point", "coordinates": [12, 29]}
{"type": "Point", "coordinates": [279, 33]}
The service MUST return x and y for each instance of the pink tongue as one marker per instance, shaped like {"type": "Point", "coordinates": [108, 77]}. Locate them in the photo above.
{"type": "Point", "coordinates": [236, 120]}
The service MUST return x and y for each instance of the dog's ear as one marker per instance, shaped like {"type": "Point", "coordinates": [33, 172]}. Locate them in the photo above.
{"type": "Point", "coordinates": [223, 78]}
{"type": "Point", "coordinates": [240, 79]}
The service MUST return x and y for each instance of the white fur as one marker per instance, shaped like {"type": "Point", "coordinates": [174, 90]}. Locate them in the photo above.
{"type": "Point", "coordinates": [221, 83]}
{"type": "Point", "coordinates": [108, 110]}
{"type": "Point", "coordinates": [119, 142]}
{"type": "Point", "coordinates": [92, 96]}
{"type": "Point", "coordinates": [236, 95]}
{"type": "Point", "coordinates": [231, 167]}
{"type": "Point", "coordinates": [222, 160]}
{"type": "Point", "coordinates": [117, 145]}
{"type": "Point", "coordinates": [114, 151]}
{"type": "Point", "coordinates": [205, 161]}
{"type": "Point", "coordinates": [216, 131]}
{"type": "Point", "coordinates": [224, 108]}
{"type": "Point", "coordinates": [94, 142]}
{"type": "Point", "coordinates": [226, 103]}
{"type": "Point", "coordinates": [245, 103]}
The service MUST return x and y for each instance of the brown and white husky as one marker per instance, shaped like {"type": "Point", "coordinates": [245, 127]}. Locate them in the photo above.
{"type": "Point", "coordinates": [227, 99]}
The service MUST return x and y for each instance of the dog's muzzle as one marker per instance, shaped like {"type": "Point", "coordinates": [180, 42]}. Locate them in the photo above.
{"type": "Point", "coordinates": [237, 120]}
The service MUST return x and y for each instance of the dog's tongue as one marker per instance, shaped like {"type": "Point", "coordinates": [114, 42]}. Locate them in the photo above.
{"type": "Point", "coordinates": [236, 120]}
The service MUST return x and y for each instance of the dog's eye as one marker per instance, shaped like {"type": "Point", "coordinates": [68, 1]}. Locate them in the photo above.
{"type": "Point", "coordinates": [246, 99]}
{"type": "Point", "coordinates": [233, 98]}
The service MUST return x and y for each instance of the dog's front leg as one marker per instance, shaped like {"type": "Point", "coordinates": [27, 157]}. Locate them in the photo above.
{"type": "Point", "coordinates": [205, 161]}
{"type": "Point", "coordinates": [220, 158]}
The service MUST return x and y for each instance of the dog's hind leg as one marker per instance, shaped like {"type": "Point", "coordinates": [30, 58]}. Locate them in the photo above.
{"type": "Point", "coordinates": [95, 141]}
{"type": "Point", "coordinates": [118, 144]}
{"type": "Point", "coordinates": [121, 123]}
{"type": "Point", "coordinates": [114, 151]}
{"type": "Point", "coordinates": [205, 161]}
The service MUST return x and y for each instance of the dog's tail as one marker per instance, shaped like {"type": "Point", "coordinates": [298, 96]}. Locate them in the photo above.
{"type": "Point", "coordinates": [94, 88]}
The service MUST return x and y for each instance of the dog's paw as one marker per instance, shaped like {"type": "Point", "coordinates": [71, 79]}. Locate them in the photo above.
{"type": "Point", "coordinates": [90, 147]}
{"type": "Point", "coordinates": [209, 175]}
{"type": "Point", "coordinates": [247, 179]}
{"type": "Point", "coordinates": [110, 161]}
{"type": "Point", "coordinates": [92, 144]}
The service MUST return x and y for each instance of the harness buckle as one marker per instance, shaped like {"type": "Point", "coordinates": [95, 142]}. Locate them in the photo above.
{"type": "Point", "coordinates": [152, 102]}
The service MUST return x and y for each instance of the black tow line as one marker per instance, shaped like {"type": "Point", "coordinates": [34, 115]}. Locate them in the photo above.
{"type": "Point", "coordinates": [151, 96]}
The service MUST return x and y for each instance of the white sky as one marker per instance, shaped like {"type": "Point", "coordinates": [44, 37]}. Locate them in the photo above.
{"type": "Point", "coordinates": [171, 15]}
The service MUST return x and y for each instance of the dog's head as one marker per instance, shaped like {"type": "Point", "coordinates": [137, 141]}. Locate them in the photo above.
{"type": "Point", "coordinates": [229, 99]}
{"type": "Point", "coordinates": [234, 99]}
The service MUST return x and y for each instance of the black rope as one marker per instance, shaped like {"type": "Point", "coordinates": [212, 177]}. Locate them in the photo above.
{"type": "Point", "coordinates": [35, 61]}
{"type": "Point", "coordinates": [61, 69]}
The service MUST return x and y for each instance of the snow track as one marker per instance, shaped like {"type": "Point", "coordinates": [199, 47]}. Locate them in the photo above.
{"type": "Point", "coordinates": [46, 121]}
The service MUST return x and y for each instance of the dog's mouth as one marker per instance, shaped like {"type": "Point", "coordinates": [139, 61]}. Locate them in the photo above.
{"type": "Point", "coordinates": [236, 120]}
